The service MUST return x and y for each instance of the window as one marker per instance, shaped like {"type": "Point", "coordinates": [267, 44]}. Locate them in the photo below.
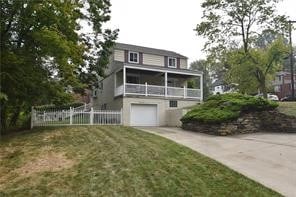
{"type": "Point", "coordinates": [133, 57]}
{"type": "Point", "coordinates": [95, 93]}
{"type": "Point", "coordinates": [172, 62]}
{"type": "Point", "coordinates": [173, 103]}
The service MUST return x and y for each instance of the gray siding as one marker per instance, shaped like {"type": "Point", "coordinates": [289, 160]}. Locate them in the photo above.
{"type": "Point", "coordinates": [106, 96]}
{"type": "Point", "coordinates": [148, 59]}
{"type": "Point", "coordinates": [155, 60]}
{"type": "Point", "coordinates": [183, 64]}
{"type": "Point", "coordinates": [119, 55]}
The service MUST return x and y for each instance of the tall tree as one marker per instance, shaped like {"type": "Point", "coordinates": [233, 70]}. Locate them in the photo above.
{"type": "Point", "coordinates": [43, 51]}
{"type": "Point", "coordinates": [240, 26]}
{"type": "Point", "coordinates": [229, 23]}
{"type": "Point", "coordinates": [203, 66]}
{"type": "Point", "coordinates": [255, 72]}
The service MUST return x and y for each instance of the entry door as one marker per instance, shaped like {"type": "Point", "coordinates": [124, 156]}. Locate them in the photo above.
{"type": "Point", "coordinates": [143, 115]}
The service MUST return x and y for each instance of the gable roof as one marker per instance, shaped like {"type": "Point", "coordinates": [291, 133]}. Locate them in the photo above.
{"type": "Point", "coordinates": [148, 50]}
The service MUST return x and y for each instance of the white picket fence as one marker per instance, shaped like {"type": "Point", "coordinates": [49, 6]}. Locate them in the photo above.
{"type": "Point", "coordinates": [74, 116]}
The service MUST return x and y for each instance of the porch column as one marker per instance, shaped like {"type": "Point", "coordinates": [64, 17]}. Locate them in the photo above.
{"type": "Point", "coordinates": [165, 84]}
{"type": "Point", "coordinates": [124, 77]}
{"type": "Point", "coordinates": [115, 86]}
{"type": "Point", "coordinates": [201, 87]}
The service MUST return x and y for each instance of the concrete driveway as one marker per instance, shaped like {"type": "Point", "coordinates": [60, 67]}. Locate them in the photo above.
{"type": "Point", "coordinates": [268, 158]}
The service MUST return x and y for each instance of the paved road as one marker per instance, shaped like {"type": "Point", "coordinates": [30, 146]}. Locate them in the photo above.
{"type": "Point", "coordinates": [268, 158]}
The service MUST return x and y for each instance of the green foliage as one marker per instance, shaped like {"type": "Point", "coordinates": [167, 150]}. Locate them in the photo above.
{"type": "Point", "coordinates": [243, 28]}
{"type": "Point", "coordinates": [228, 23]}
{"type": "Point", "coordinates": [113, 161]}
{"type": "Point", "coordinates": [256, 69]}
{"type": "Point", "coordinates": [59, 107]}
{"type": "Point", "coordinates": [203, 66]}
{"type": "Point", "coordinates": [226, 107]}
{"type": "Point", "coordinates": [43, 52]}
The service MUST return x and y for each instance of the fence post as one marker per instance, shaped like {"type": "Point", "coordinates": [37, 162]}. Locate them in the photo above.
{"type": "Point", "coordinates": [43, 116]}
{"type": "Point", "coordinates": [91, 116]}
{"type": "Point", "coordinates": [184, 92]}
{"type": "Point", "coordinates": [146, 88]}
{"type": "Point", "coordinates": [32, 117]}
{"type": "Point", "coordinates": [71, 115]}
{"type": "Point", "coordinates": [121, 121]}
{"type": "Point", "coordinates": [84, 106]}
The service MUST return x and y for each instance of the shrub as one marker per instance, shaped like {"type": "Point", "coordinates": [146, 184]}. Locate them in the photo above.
{"type": "Point", "coordinates": [58, 107]}
{"type": "Point", "coordinates": [227, 107]}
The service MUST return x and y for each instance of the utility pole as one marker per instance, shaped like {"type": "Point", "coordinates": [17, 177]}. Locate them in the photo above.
{"type": "Point", "coordinates": [291, 60]}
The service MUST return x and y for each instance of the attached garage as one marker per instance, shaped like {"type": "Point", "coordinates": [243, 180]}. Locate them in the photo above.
{"type": "Point", "coordinates": [143, 115]}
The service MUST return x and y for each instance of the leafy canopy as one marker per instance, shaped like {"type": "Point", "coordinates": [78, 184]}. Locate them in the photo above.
{"type": "Point", "coordinates": [45, 52]}
{"type": "Point", "coordinates": [230, 23]}
{"type": "Point", "coordinates": [254, 70]}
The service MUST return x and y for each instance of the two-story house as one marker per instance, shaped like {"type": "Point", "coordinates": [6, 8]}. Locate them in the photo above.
{"type": "Point", "coordinates": [282, 84]}
{"type": "Point", "coordinates": [148, 85]}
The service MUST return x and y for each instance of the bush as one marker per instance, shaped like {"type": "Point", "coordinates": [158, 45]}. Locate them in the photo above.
{"type": "Point", "coordinates": [227, 107]}
{"type": "Point", "coordinates": [59, 107]}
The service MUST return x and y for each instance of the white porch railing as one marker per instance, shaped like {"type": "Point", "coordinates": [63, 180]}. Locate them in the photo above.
{"type": "Point", "coordinates": [153, 90]}
{"type": "Point", "coordinates": [193, 93]}
{"type": "Point", "coordinates": [74, 117]}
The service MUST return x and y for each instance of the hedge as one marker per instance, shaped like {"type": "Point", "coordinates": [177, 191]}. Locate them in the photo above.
{"type": "Point", "coordinates": [59, 107]}
{"type": "Point", "coordinates": [227, 107]}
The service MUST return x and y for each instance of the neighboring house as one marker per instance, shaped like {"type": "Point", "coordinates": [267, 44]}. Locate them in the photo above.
{"type": "Point", "coordinates": [282, 84]}
{"type": "Point", "coordinates": [219, 87]}
{"type": "Point", "coordinates": [149, 85]}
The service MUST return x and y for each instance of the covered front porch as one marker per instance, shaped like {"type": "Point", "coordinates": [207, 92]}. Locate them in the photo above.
{"type": "Point", "coordinates": [159, 83]}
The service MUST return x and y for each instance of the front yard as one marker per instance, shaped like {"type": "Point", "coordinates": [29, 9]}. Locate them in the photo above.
{"type": "Point", "coordinates": [112, 161]}
{"type": "Point", "coordinates": [288, 108]}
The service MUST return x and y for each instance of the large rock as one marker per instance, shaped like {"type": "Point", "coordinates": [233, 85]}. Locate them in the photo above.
{"type": "Point", "coordinates": [269, 121]}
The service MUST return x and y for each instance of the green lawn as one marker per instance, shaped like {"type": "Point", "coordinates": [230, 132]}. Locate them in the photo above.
{"type": "Point", "coordinates": [288, 108]}
{"type": "Point", "coordinates": [112, 161]}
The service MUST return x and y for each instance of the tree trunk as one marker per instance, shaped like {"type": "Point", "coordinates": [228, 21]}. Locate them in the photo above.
{"type": "Point", "coordinates": [3, 118]}
{"type": "Point", "coordinates": [263, 88]}
{"type": "Point", "coordinates": [15, 116]}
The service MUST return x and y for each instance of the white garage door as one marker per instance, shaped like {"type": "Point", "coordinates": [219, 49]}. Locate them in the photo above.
{"type": "Point", "coordinates": [143, 115]}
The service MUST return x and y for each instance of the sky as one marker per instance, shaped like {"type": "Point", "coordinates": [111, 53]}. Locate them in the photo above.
{"type": "Point", "coordinates": [168, 24]}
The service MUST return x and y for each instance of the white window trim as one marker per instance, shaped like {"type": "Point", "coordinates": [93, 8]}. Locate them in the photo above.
{"type": "Point", "coordinates": [169, 62]}
{"type": "Point", "coordinates": [138, 55]}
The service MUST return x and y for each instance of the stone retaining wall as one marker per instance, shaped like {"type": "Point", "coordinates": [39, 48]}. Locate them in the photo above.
{"type": "Point", "coordinates": [270, 121]}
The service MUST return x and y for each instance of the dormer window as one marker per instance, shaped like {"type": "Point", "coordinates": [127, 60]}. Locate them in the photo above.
{"type": "Point", "coordinates": [172, 62]}
{"type": "Point", "coordinates": [133, 57]}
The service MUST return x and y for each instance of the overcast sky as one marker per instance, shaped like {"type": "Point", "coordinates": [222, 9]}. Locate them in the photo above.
{"type": "Point", "coordinates": [168, 24]}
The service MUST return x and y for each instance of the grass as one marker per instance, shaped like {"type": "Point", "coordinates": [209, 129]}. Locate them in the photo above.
{"type": "Point", "coordinates": [288, 108]}
{"type": "Point", "coordinates": [112, 161]}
